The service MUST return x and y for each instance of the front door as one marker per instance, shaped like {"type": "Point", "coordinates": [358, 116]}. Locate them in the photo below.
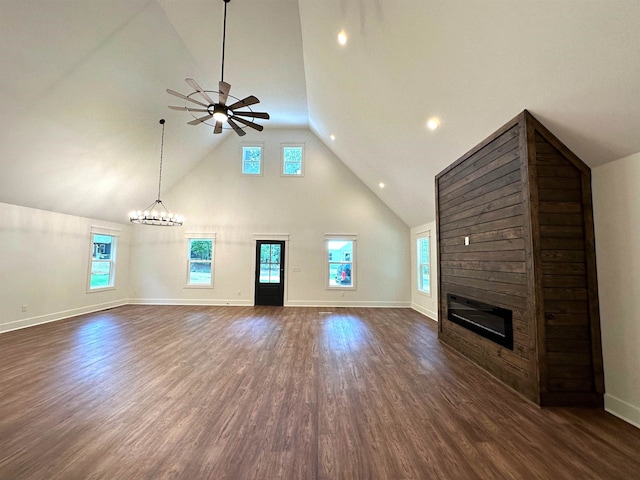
{"type": "Point", "coordinates": [269, 272]}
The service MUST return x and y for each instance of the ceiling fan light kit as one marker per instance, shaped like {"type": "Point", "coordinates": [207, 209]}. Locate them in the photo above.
{"type": "Point", "coordinates": [156, 213]}
{"type": "Point", "coordinates": [199, 102]}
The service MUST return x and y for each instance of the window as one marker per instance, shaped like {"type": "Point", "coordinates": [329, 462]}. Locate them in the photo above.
{"type": "Point", "coordinates": [292, 160]}
{"type": "Point", "coordinates": [252, 160]}
{"type": "Point", "coordinates": [424, 263]}
{"type": "Point", "coordinates": [102, 264]}
{"type": "Point", "coordinates": [200, 260]}
{"type": "Point", "coordinates": [341, 254]}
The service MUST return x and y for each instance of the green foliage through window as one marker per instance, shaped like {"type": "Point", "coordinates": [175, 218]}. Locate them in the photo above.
{"type": "Point", "coordinates": [200, 262]}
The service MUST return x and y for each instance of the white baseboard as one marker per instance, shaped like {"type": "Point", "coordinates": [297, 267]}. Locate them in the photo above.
{"type": "Point", "coordinates": [181, 301]}
{"type": "Point", "coordinates": [425, 311]}
{"type": "Point", "coordinates": [52, 317]}
{"type": "Point", "coordinates": [621, 409]}
{"type": "Point", "coordinates": [351, 303]}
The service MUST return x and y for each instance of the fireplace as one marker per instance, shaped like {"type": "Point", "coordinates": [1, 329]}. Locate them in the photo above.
{"type": "Point", "coordinates": [489, 321]}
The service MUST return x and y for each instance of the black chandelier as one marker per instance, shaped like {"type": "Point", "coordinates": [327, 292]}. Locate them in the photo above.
{"type": "Point", "coordinates": [156, 213]}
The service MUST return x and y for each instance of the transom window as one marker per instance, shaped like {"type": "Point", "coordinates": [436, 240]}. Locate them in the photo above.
{"type": "Point", "coordinates": [424, 263]}
{"type": "Point", "coordinates": [293, 160]}
{"type": "Point", "coordinates": [252, 160]}
{"type": "Point", "coordinates": [341, 258]}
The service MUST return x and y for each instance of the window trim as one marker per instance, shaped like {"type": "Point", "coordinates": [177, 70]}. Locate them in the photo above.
{"type": "Point", "coordinates": [259, 145]}
{"type": "Point", "coordinates": [199, 236]}
{"type": "Point", "coordinates": [282, 164]}
{"type": "Point", "coordinates": [354, 258]}
{"type": "Point", "coordinates": [114, 234]}
{"type": "Point", "coordinates": [419, 237]}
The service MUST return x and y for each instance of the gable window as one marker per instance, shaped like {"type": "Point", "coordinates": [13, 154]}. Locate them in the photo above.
{"type": "Point", "coordinates": [252, 159]}
{"type": "Point", "coordinates": [341, 261]}
{"type": "Point", "coordinates": [424, 263]}
{"type": "Point", "coordinates": [293, 160]}
{"type": "Point", "coordinates": [200, 260]}
{"type": "Point", "coordinates": [102, 264]}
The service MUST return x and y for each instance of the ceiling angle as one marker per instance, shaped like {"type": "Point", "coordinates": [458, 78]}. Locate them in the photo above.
{"type": "Point", "coordinates": [205, 110]}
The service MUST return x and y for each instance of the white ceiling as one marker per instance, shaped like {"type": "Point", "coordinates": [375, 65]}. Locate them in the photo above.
{"type": "Point", "coordinates": [83, 87]}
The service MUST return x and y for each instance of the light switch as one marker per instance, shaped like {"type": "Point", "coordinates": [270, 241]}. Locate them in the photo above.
{"type": "Point", "coordinates": [466, 241]}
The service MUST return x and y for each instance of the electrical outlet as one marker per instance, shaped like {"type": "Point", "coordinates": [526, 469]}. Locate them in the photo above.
{"type": "Point", "coordinates": [24, 308]}
{"type": "Point", "coordinates": [239, 293]}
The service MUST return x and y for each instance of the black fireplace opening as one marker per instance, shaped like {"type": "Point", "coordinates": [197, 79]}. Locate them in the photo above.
{"type": "Point", "coordinates": [489, 321]}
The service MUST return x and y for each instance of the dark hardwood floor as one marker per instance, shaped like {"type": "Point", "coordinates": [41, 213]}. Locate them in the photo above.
{"type": "Point", "coordinates": [155, 392]}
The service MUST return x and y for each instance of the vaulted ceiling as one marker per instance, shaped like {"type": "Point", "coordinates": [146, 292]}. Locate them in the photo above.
{"type": "Point", "coordinates": [83, 87]}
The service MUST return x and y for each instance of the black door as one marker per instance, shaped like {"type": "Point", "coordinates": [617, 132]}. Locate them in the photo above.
{"type": "Point", "coordinates": [269, 272]}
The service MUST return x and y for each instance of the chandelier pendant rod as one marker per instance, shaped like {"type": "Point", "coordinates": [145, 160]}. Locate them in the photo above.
{"type": "Point", "coordinates": [161, 152]}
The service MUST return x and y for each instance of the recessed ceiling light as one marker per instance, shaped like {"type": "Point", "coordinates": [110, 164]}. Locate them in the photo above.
{"type": "Point", "coordinates": [381, 184]}
{"type": "Point", "coordinates": [433, 123]}
{"type": "Point", "coordinates": [342, 37]}
{"type": "Point", "coordinates": [332, 137]}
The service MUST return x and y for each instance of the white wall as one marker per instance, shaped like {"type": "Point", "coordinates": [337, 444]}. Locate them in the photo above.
{"type": "Point", "coordinates": [44, 263]}
{"type": "Point", "coordinates": [423, 303]}
{"type": "Point", "coordinates": [329, 199]}
{"type": "Point", "coordinates": [617, 225]}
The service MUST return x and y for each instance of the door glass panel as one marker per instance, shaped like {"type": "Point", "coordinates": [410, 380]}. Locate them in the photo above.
{"type": "Point", "coordinates": [274, 275]}
{"type": "Point", "coordinates": [269, 263]}
{"type": "Point", "coordinates": [275, 254]}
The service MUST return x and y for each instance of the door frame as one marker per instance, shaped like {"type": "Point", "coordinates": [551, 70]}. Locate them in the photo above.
{"type": "Point", "coordinates": [278, 237]}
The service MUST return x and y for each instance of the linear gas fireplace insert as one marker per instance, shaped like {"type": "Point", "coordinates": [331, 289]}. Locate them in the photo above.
{"type": "Point", "coordinates": [489, 321]}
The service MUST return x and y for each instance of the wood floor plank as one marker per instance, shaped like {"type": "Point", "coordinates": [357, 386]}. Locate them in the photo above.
{"type": "Point", "coordinates": [190, 392]}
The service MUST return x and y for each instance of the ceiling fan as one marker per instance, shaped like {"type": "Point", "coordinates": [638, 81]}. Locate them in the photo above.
{"type": "Point", "coordinates": [219, 111]}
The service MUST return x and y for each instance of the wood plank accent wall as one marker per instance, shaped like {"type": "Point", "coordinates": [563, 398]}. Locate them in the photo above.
{"type": "Point", "coordinates": [524, 201]}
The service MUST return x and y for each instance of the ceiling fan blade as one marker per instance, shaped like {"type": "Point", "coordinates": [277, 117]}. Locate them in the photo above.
{"type": "Point", "coordinates": [236, 127]}
{"type": "Point", "coordinates": [187, 109]}
{"type": "Point", "coordinates": [199, 89]}
{"type": "Point", "coordinates": [263, 115]}
{"type": "Point", "coordinates": [200, 120]}
{"type": "Point", "coordinates": [250, 124]}
{"type": "Point", "coordinates": [173, 92]}
{"type": "Point", "coordinates": [245, 102]}
{"type": "Point", "coordinates": [218, 128]}
{"type": "Point", "coordinates": [224, 88]}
